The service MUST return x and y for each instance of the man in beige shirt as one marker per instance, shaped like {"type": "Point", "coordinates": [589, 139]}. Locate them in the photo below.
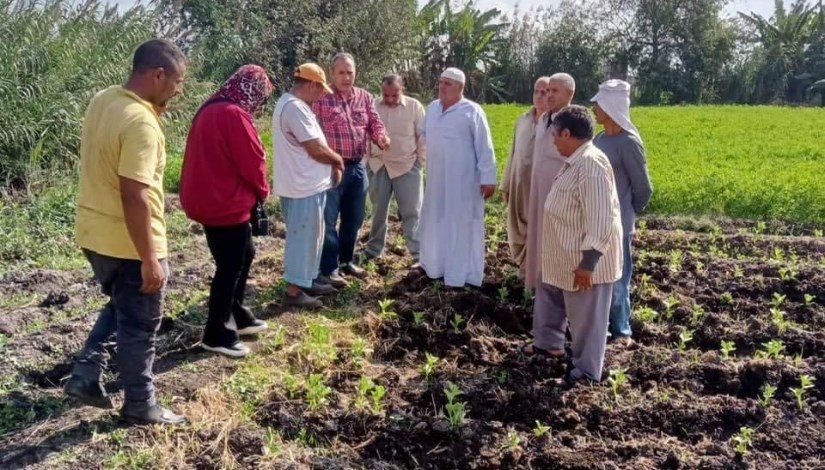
{"type": "Point", "coordinates": [582, 248]}
{"type": "Point", "coordinates": [397, 170]}
{"type": "Point", "coordinates": [515, 184]}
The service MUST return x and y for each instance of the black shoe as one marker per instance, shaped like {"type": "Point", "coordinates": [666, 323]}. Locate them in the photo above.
{"type": "Point", "coordinates": [302, 300]}
{"type": "Point", "coordinates": [334, 279]}
{"type": "Point", "coordinates": [350, 269]}
{"type": "Point", "coordinates": [319, 289]}
{"type": "Point", "coordinates": [253, 328]}
{"type": "Point", "coordinates": [88, 392]}
{"type": "Point", "coordinates": [152, 415]}
{"type": "Point", "coordinates": [234, 350]}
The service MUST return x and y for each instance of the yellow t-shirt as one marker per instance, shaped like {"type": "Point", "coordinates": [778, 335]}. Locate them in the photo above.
{"type": "Point", "coordinates": [122, 136]}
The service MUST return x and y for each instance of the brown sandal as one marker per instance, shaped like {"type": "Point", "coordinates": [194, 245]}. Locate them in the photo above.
{"type": "Point", "coordinates": [535, 350]}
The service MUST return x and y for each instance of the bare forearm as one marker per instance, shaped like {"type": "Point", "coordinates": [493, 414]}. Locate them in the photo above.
{"type": "Point", "coordinates": [138, 215]}
{"type": "Point", "coordinates": [327, 156]}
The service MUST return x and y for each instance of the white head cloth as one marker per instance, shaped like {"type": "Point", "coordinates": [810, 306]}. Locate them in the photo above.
{"type": "Point", "coordinates": [614, 99]}
{"type": "Point", "coordinates": [453, 74]}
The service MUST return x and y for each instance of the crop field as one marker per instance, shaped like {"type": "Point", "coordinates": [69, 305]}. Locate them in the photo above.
{"type": "Point", "coordinates": [400, 372]}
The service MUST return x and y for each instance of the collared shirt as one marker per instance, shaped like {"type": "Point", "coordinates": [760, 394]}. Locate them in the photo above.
{"type": "Point", "coordinates": [349, 124]}
{"type": "Point", "coordinates": [582, 213]}
{"type": "Point", "coordinates": [404, 124]}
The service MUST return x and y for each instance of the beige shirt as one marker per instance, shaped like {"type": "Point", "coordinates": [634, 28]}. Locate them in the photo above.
{"type": "Point", "coordinates": [516, 182]}
{"type": "Point", "coordinates": [403, 124]}
{"type": "Point", "coordinates": [582, 213]}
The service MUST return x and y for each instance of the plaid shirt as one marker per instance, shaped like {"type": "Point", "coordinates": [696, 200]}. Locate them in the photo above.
{"type": "Point", "coordinates": [348, 124]}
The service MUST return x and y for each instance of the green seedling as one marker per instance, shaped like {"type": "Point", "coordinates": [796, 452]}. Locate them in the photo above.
{"type": "Point", "coordinates": [456, 410]}
{"type": "Point", "coordinates": [726, 298]}
{"type": "Point", "coordinates": [779, 320]}
{"type": "Point", "coordinates": [452, 391]}
{"type": "Point", "coordinates": [456, 323]}
{"type": "Point", "coordinates": [778, 254]}
{"type": "Point", "coordinates": [359, 349]}
{"type": "Point", "coordinates": [503, 293]}
{"type": "Point", "coordinates": [685, 337]}
{"type": "Point", "coordinates": [617, 379]}
{"type": "Point", "coordinates": [437, 286]}
{"type": "Point", "coordinates": [797, 360]}
{"type": "Point", "coordinates": [809, 299]}
{"type": "Point", "coordinates": [806, 382]}
{"type": "Point", "coordinates": [742, 440]}
{"type": "Point", "coordinates": [772, 349]}
{"type": "Point", "coordinates": [513, 440]}
{"type": "Point", "coordinates": [540, 429]}
{"type": "Point", "coordinates": [377, 394]}
{"type": "Point", "coordinates": [818, 233]}
{"type": "Point", "coordinates": [670, 304]}
{"type": "Point", "coordinates": [385, 312]}
{"type": "Point", "coordinates": [675, 264]}
{"type": "Point", "coordinates": [759, 228]}
{"type": "Point", "coordinates": [418, 319]}
{"type": "Point", "coordinates": [429, 366]}
{"type": "Point", "coordinates": [787, 273]}
{"type": "Point", "coordinates": [365, 384]}
{"type": "Point", "coordinates": [292, 385]}
{"type": "Point", "coordinates": [527, 296]}
{"type": "Point", "coordinates": [646, 314]}
{"type": "Point", "coordinates": [316, 391]}
{"type": "Point", "coordinates": [698, 313]}
{"type": "Point", "coordinates": [768, 392]}
{"type": "Point", "coordinates": [738, 272]}
{"type": "Point", "coordinates": [727, 348]}
{"type": "Point", "coordinates": [778, 299]}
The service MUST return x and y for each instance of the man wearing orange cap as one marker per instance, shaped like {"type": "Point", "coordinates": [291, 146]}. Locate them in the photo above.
{"type": "Point", "coordinates": [304, 169]}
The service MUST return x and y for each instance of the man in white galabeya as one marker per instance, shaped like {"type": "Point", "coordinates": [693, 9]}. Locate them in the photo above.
{"type": "Point", "coordinates": [461, 175]}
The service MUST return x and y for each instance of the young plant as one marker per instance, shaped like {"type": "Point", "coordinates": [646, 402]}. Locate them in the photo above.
{"type": "Point", "coordinates": [809, 299]}
{"type": "Point", "coordinates": [418, 319]}
{"type": "Point", "coordinates": [376, 395]}
{"type": "Point", "coordinates": [768, 391]}
{"type": "Point", "coordinates": [771, 349]}
{"type": "Point", "coordinates": [526, 296]}
{"type": "Point", "coordinates": [503, 293]}
{"type": "Point", "coordinates": [456, 410]}
{"type": "Point", "coordinates": [292, 385]}
{"type": "Point", "coordinates": [779, 320]}
{"type": "Point", "coordinates": [742, 440]}
{"type": "Point", "coordinates": [818, 233]}
{"type": "Point", "coordinates": [385, 312]}
{"type": "Point", "coordinates": [513, 440]}
{"type": "Point", "coordinates": [359, 350]}
{"type": "Point", "coordinates": [429, 366]}
{"type": "Point", "coordinates": [670, 304]}
{"type": "Point", "coordinates": [696, 316]}
{"type": "Point", "coordinates": [759, 228]}
{"type": "Point", "coordinates": [318, 344]}
{"type": "Point", "coordinates": [787, 273]}
{"type": "Point", "coordinates": [456, 323]}
{"type": "Point", "coordinates": [364, 386]}
{"type": "Point", "coordinates": [540, 429]}
{"type": "Point", "coordinates": [617, 380]}
{"type": "Point", "coordinates": [726, 298]}
{"type": "Point", "coordinates": [316, 391]}
{"type": "Point", "coordinates": [685, 337]}
{"type": "Point", "coordinates": [738, 272]}
{"type": "Point", "coordinates": [727, 347]}
{"type": "Point", "coordinates": [806, 382]}
{"type": "Point", "coordinates": [778, 299]}
{"type": "Point", "coordinates": [646, 314]}
{"type": "Point", "coordinates": [675, 264]}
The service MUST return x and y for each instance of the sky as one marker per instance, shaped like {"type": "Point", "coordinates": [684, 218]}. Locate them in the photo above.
{"type": "Point", "coordinates": [763, 7]}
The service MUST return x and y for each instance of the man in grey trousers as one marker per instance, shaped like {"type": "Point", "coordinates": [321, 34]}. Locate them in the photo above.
{"type": "Point", "coordinates": [397, 170]}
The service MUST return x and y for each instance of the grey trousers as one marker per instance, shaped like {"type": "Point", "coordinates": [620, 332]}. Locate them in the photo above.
{"type": "Point", "coordinates": [135, 318]}
{"type": "Point", "coordinates": [408, 190]}
{"type": "Point", "coordinates": [586, 312]}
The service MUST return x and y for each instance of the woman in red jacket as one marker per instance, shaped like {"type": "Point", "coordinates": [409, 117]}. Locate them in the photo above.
{"type": "Point", "coordinates": [223, 177]}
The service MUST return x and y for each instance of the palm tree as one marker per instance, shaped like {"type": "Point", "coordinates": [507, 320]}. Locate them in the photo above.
{"type": "Point", "coordinates": [784, 38]}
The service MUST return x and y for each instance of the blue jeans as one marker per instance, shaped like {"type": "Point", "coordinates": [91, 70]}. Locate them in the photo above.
{"type": "Point", "coordinates": [348, 200]}
{"type": "Point", "coordinates": [304, 218]}
{"type": "Point", "coordinates": [620, 303]}
{"type": "Point", "coordinates": [135, 318]}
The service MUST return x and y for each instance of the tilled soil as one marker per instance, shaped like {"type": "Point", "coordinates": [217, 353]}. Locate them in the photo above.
{"type": "Point", "coordinates": [682, 405]}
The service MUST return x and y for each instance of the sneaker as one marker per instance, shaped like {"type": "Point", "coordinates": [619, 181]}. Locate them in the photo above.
{"type": "Point", "coordinates": [153, 415]}
{"type": "Point", "coordinates": [255, 327]}
{"type": "Point", "coordinates": [88, 392]}
{"type": "Point", "coordinates": [334, 279]}
{"type": "Point", "coordinates": [319, 289]}
{"type": "Point", "coordinates": [302, 300]}
{"type": "Point", "coordinates": [236, 349]}
{"type": "Point", "coordinates": [351, 269]}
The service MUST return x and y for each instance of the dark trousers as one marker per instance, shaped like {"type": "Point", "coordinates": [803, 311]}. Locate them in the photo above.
{"type": "Point", "coordinates": [233, 251]}
{"type": "Point", "coordinates": [348, 200]}
{"type": "Point", "coordinates": [135, 318]}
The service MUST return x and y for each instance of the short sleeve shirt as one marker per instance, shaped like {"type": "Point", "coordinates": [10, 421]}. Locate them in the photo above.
{"type": "Point", "coordinates": [296, 174]}
{"type": "Point", "coordinates": [122, 137]}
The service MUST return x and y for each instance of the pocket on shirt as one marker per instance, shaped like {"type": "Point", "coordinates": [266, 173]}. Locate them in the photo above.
{"type": "Point", "coordinates": [359, 117]}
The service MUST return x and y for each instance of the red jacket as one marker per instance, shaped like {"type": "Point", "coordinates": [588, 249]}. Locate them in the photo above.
{"type": "Point", "coordinates": [224, 166]}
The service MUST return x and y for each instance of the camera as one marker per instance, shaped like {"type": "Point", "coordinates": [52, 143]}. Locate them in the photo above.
{"type": "Point", "coordinates": [259, 220]}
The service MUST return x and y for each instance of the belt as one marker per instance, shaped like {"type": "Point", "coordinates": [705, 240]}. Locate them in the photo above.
{"type": "Point", "coordinates": [353, 161]}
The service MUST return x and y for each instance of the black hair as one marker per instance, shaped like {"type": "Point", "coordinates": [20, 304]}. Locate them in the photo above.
{"type": "Point", "coordinates": [157, 53]}
{"type": "Point", "coordinates": [577, 120]}
{"type": "Point", "coordinates": [392, 79]}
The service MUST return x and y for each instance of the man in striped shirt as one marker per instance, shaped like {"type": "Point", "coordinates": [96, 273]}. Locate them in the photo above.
{"type": "Point", "coordinates": [349, 121]}
{"type": "Point", "coordinates": [582, 248]}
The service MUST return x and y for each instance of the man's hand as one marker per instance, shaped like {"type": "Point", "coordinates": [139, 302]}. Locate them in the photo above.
{"type": "Point", "coordinates": [634, 238]}
{"type": "Point", "coordinates": [153, 276]}
{"type": "Point", "coordinates": [582, 279]}
{"type": "Point", "coordinates": [487, 190]}
{"type": "Point", "coordinates": [384, 142]}
{"type": "Point", "coordinates": [337, 176]}
{"type": "Point", "coordinates": [505, 196]}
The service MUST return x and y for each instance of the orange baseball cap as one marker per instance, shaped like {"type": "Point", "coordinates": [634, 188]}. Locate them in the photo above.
{"type": "Point", "coordinates": [313, 73]}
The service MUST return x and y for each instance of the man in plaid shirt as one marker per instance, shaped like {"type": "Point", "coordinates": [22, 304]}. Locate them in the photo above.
{"type": "Point", "coordinates": [349, 121]}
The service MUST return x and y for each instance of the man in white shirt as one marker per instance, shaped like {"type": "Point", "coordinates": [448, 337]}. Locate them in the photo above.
{"type": "Point", "coordinates": [304, 169]}
{"type": "Point", "coordinates": [397, 170]}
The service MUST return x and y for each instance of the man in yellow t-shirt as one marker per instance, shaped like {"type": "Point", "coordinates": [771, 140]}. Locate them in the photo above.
{"type": "Point", "coordinates": [120, 227]}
